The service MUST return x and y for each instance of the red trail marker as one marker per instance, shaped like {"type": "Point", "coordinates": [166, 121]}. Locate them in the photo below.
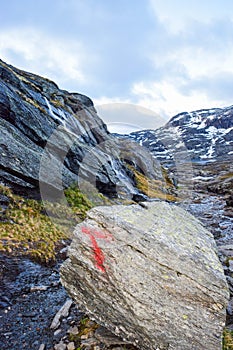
{"type": "Point", "coordinates": [98, 254]}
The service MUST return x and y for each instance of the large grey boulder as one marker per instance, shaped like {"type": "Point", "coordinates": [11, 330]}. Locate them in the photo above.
{"type": "Point", "coordinates": [149, 273]}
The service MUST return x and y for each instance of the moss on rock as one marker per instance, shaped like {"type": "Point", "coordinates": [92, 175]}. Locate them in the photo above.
{"type": "Point", "coordinates": [155, 188]}
{"type": "Point", "coordinates": [227, 343]}
{"type": "Point", "coordinates": [27, 229]}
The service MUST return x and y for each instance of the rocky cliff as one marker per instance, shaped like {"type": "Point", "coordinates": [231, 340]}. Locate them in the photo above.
{"type": "Point", "coordinates": [54, 138]}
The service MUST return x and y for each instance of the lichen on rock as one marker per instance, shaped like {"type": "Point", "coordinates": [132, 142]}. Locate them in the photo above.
{"type": "Point", "coordinates": [158, 281]}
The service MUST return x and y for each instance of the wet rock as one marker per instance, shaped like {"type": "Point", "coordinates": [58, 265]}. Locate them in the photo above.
{"type": "Point", "coordinates": [229, 201]}
{"type": "Point", "coordinates": [43, 128]}
{"type": "Point", "coordinates": [226, 249]}
{"type": "Point", "coordinates": [149, 274]}
{"type": "Point", "coordinates": [229, 213]}
{"type": "Point", "coordinates": [4, 200]}
{"type": "Point", "coordinates": [223, 185]}
{"type": "Point", "coordinates": [230, 283]}
{"type": "Point", "coordinates": [89, 343]}
{"type": "Point", "coordinates": [74, 330]}
{"type": "Point", "coordinates": [71, 346]}
{"type": "Point", "coordinates": [63, 312]}
{"type": "Point", "coordinates": [38, 288]}
{"type": "Point", "coordinates": [60, 346]}
{"type": "Point", "coordinates": [108, 338]}
{"type": "Point", "coordinates": [58, 331]}
{"type": "Point", "coordinates": [4, 302]}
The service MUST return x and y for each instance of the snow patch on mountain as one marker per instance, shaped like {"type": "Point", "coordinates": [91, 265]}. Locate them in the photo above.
{"type": "Point", "coordinates": [203, 135]}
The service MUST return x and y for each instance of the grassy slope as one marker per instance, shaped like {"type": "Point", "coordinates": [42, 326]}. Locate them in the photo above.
{"type": "Point", "coordinates": [27, 229]}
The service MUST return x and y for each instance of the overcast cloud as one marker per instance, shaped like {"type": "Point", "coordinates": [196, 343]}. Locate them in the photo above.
{"type": "Point", "coordinates": [166, 55]}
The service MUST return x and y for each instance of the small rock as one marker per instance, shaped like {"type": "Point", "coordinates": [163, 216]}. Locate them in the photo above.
{"type": "Point", "coordinates": [89, 342]}
{"type": "Point", "coordinates": [38, 288]}
{"type": "Point", "coordinates": [230, 265]}
{"type": "Point", "coordinates": [107, 337]}
{"type": "Point", "coordinates": [4, 199]}
{"type": "Point", "coordinates": [84, 336]}
{"type": "Point", "coordinates": [64, 311]}
{"type": "Point", "coordinates": [71, 346]}
{"type": "Point", "coordinates": [227, 250]}
{"type": "Point", "coordinates": [230, 283]}
{"type": "Point", "coordinates": [57, 332]}
{"type": "Point", "coordinates": [3, 304]}
{"type": "Point", "coordinates": [4, 301]}
{"type": "Point", "coordinates": [63, 250]}
{"type": "Point", "coordinates": [60, 346]}
{"type": "Point", "coordinates": [55, 284]}
{"type": "Point", "coordinates": [230, 308]}
{"type": "Point", "coordinates": [229, 201]}
{"type": "Point", "coordinates": [42, 347]}
{"type": "Point", "coordinates": [73, 330]}
{"type": "Point", "coordinates": [229, 212]}
{"type": "Point", "coordinates": [7, 334]}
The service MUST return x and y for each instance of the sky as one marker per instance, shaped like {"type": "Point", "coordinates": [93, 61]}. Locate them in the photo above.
{"type": "Point", "coordinates": [161, 56]}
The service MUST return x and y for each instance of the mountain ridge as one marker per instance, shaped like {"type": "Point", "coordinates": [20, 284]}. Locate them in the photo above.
{"type": "Point", "coordinates": [202, 135]}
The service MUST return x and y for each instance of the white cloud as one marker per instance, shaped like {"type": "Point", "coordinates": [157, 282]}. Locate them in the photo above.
{"type": "Point", "coordinates": [199, 62]}
{"type": "Point", "coordinates": [168, 62]}
{"type": "Point", "coordinates": [58, 59]}
{"type": "Point", "coordinates": [179, 14]}
{"type": "Point", "coordinates": [104, 100]}
{"type": "Point", "coordinates": [165, 99]}
{"type": "Point", "coordinates": [195, 65]}
{"type": "Point", "coordinates": [124, 117]}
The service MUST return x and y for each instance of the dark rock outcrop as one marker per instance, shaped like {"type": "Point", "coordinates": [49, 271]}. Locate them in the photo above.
{"type": "Point", "coordinates": [55, 138]}
{"type": "Point", "coordinates": [149, 273]}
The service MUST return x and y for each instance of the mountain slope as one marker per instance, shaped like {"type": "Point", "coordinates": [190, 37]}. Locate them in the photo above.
{"type": "Point", "coordinates": [53, 138]}
{"type": "Point", "coordinates": [203, 135]}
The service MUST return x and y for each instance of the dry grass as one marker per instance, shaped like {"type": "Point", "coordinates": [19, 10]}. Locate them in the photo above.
{"type": "Point", "coordinates": [226, 176]}
{"type": "Point", "coordinates": [31, 101]}
{"type": "Point", "coordinates": [155, 188]}
{"type": "Point", "coordinates": [57, 103]}
{"type": "Point", "coordinates": [227, 340]}
{"type": "Point", "coordinates": [26, 229]}
{"type": "Point", "coordinates": [20, 76]}
{"type": "Point", "coordinates": [86, 330]}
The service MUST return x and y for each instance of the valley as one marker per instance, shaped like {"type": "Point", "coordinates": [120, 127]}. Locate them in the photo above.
{"type": "Point", "coordinates": [51, 140]}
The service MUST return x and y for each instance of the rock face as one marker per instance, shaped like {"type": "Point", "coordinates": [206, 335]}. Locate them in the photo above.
{"type": "Point", "coordinates": [200, 135]}
{"type": "Point", "coordinates": [35, 114]}
{"type": "Point", "coordinates": [149, 273]}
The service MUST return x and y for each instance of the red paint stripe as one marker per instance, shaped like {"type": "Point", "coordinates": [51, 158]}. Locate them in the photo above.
{"type": "Point", "coordinates": [98, 255]}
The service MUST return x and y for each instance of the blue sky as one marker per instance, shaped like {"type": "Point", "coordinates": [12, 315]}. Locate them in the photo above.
{"type": "Point", "coordinates": [167, 56]}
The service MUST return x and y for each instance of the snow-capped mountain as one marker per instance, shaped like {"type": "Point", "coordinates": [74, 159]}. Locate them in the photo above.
{"type": "Point", "coordinates": [203, 135]}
